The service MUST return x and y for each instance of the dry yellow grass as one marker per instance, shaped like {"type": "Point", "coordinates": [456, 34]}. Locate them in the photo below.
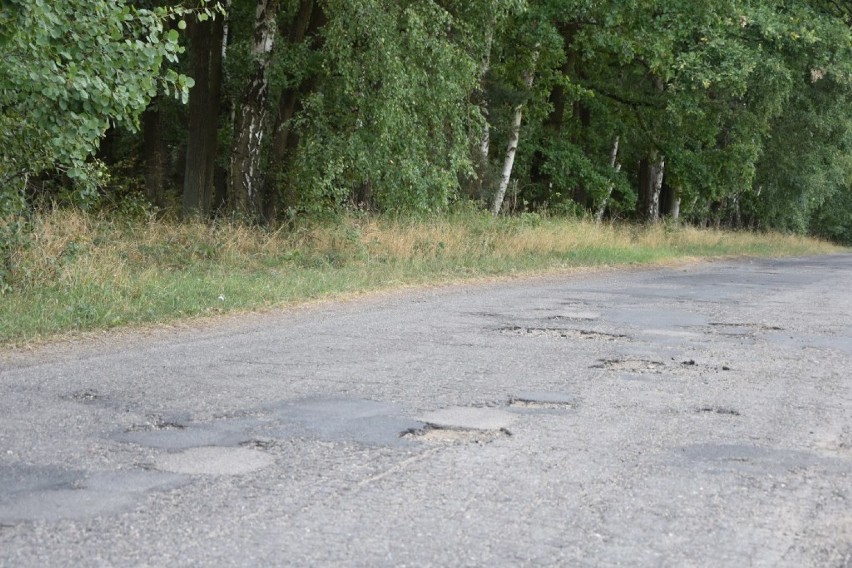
{"type": "Point", "coordinates": [68, 244]}
{"type": "Point", "coordinates": [83, 272]}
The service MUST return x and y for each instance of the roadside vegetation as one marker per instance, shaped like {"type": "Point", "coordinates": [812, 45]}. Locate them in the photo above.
{"type": "Point", "coordinates": [80, 272]}
{"type": "Point", "coordinates": [364, 144]}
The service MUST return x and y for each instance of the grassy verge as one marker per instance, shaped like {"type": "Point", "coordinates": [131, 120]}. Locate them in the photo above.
{"type": "Point", "coordinates": [81, 273]}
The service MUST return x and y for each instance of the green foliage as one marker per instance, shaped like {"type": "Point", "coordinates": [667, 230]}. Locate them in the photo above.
{"type": "Point", "coordinates": [718, 88]}
{"type": "Point", "coordinates": [807, 161]}
{"type": "Point", "coordinates": [13, 235]}
{"type": "Point", "coordinates": [806, 165]}
{"type": "Point", "coordinates": [833, 219]}
{"type": "Point", "coordinates": [748, 102]}
{"type": "Point", "coordinates": [392, 122]}
{"type": "Point", "coordinates": [71, 69]}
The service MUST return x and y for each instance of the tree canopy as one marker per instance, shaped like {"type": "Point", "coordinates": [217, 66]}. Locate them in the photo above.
{"type": "Point", "coordinates": [71, 70]}
{"type": "Point", "coordinates": [725, 112]}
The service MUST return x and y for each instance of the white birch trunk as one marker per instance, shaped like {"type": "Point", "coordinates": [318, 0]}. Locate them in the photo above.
{"type": "Point", "coordinates": [484, 147]}
{"type": "Point", "coordinates": [226, 30]}
{"type": "Point", "coordinates": [485, 139]}
{"type": "Point", "coordinates": [651, 170]}
{"type": "Point", "coordinates": [654, 205]}
{"type": "Point", "coordinates": [245, 182]}
{"type": "Point", "coordinates": [512, 148]}
{"type": "Point", "coordinates": [613, 163]}
{"type": "Point", "coordinates": [508, 162]}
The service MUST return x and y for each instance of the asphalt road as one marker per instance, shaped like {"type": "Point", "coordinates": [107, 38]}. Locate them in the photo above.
{"type": "Point", "coordinates": [689, 416]}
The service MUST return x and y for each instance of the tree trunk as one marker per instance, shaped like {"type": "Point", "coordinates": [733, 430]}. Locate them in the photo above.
{"type": "Point", "coordinates": [308, 20]}
{"type": "Point", "coordinates": [735, 219]}
{"type": "Point", "coordinates": [154, 154]}
{"type": "Point", "coordinates": [613, 163]}
{"type": "Point", "coordinates": [226, 31]}
{"type": "Point", "coordinates": [206, 66]}
{"type": "Point", "coordinates": [508, 162]}
{"type": "Point", "coordinates": [674, 214]}
{"type": "Point", "coordinates": [670, 202]}
{"type": "Point", "coordinates": [651, 171]}
{"type": "Point", "coordinates": [484, 147]}
{"type": "Point", "coordinates": [245, 179]}
{"type": "Point", "coordinates": [571, 69]}
{"type": "Point", "coordinates": [512, 148]}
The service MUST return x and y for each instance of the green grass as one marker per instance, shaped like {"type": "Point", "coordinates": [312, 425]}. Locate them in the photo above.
{"type": "Point", "coordinates": [80, 273]}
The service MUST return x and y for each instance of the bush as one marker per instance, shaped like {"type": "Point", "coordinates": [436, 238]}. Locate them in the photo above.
{"type": "Point", "coordinates": [13, 236]}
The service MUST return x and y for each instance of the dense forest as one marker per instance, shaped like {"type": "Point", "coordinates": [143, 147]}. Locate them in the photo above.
{"type": "Point", "coordinates": [733, 113]}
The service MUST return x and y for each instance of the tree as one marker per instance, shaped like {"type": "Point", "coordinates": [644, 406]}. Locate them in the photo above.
{"type": "Point", "coordinates": [691, 91]}
{"type": "Point", "coordinates": [720, 112]}
{"type": "Point", "coordinates": [805, 169]}
{"type": "Point", "coordinates": [245, 177]}
{"type": "Point", "coordinates": [298, 66]}
{"type": "Point", "coordinates": [68, 71]}
{"type": "Point", "coordinates": [514, 138]}
{"type": "Point", "coordinates": [205, 37]}
{"type": "Point", "coordinates": [390, 119]}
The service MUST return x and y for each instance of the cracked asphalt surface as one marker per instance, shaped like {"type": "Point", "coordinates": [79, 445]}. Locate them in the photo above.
{"type": "Point", "coordinates": [690, 416]}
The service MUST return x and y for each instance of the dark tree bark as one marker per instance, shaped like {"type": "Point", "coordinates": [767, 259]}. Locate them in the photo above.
{"type": "Point", "coordinates": [651, 171]}
{"type": "Point", "coordinates": [669, 202]}
{"type": "Point", "coordinates": [154, 154]}
{"type": "Point", "coordinates": [572, 69]}
{"type": "Point", "coordinates": [107, 147]}
{"type": "Point", "coordinates": [206, 68]}
{"type": "Point", "coordinates": [308, 20]}
{"type": "Point", "coordinates": [245, 178]}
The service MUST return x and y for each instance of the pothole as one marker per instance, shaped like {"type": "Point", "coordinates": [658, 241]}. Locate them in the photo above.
{"type": "Point", "coordinates": [259, 444]}
{"type": "Point", "coordinates": [577, 316]}
{"type": "Point", "coordinates": [157, 423]}
{"type": "Point", "coordinates": [534, 404]}
{"type": "Point", "coordinates": [87, 396]}
{"type": "Point", "coordinates": [560, 333]}
{"type": "Point", "coordinates": [719, 410]}
{"type": "Point", "coordinates": [692, 364]}
{"type": "Point", "coordinates": [436, 434]}
{"type": "Point", "coordinates": [631, 365]}
{"type": "Point", "coordinates": [487, 314]}
{"type": "Point", "coordinates": [748, 326]}
{"type": "Point", "coordinates": [543, 401]}
{"type": "Point", "coordinates": [213, 460]}
{"type": "Point", "coordinates": [468, 418]}
{"type": "Point", "coordinates": [462, 424]}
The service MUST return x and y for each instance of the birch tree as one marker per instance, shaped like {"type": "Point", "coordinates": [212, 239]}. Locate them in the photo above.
{"type": "Point", "coordinates": [483, 148]}
{"type": "Point", "coordinates": [245, 176]}
{"type": "Point", "coordinates": [616, 167]}
{"type": "Point", "coordinates": [391, 121]}
{"type": "Point", "coordinates": [514, 138]}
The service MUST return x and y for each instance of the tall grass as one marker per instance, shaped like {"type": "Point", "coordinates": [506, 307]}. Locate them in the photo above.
{"type": "Point", "coordinates": [81, 272]}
